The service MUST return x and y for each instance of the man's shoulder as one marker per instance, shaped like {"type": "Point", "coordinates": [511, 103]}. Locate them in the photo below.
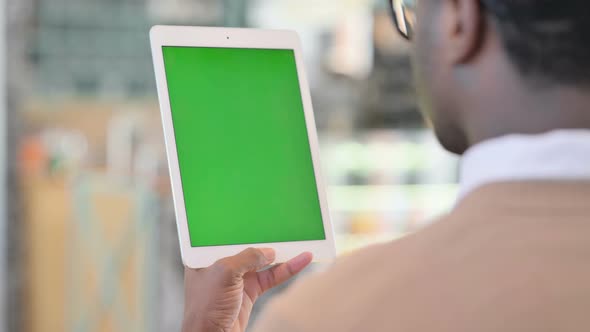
{"type": "Point", "coordinates": [352, 284]}
{"type": "Point", "coordinates": [446, 268]}
{"type": "Point", "coordinates": [354, 266]}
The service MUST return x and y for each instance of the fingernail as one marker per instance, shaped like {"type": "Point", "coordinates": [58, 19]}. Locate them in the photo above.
{"type": "Point", "coordinates": [268, 253]}
{"type": "Point", "coordinates": [301, 261]}
{"type": "Point", "coordinates": [303, 258]}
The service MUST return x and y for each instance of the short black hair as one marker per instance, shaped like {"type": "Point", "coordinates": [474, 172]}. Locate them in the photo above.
{"type": "Point", "coordinates": [546, 39]}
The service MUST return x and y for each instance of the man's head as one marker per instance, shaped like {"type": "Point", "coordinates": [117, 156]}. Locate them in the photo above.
{"type": "Point", "coordinates": [485, 68]}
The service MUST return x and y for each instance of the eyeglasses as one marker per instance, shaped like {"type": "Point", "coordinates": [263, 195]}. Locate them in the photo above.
{"type": "Point", "coordinates": [404, 16]}
{"type": "Point", "coordinates": [404, 12]}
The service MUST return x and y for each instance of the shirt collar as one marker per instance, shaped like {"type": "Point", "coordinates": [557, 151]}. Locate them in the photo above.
{"type": "Point", "coordinates": [557, 155]}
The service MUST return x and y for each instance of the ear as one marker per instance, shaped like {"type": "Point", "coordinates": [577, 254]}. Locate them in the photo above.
{"type": "Point", "coordinates": [464, 29]}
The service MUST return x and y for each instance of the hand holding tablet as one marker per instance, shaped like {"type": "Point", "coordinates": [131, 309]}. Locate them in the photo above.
{"type": "Point", "coordinates": [221, 297]}
{"type": "Point", "coordinates": [241, 143]}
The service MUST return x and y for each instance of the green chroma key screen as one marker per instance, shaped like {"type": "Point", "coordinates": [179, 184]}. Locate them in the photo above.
{"type": "Point", "coordinates": [243, 150]}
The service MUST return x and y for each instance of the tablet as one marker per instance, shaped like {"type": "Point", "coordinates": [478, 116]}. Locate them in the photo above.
{"type": "Point", "coordinates": [241, 143]}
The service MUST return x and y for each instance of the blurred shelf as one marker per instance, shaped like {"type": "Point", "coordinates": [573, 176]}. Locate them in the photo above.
{"type": "Point", "coordinates": [392, 198]}
{"type": "Point", "coordinates": [346, 243]}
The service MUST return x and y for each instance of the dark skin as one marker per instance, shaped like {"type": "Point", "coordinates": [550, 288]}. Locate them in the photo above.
{"type": "Point", "coordinates": [469, 88]}
{"type": "Point", "coordinates": [469, 91]}
{"type": "Point", "coordinates": [220, 298]}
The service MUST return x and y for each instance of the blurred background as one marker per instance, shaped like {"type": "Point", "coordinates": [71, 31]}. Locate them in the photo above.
{"type": "Point", "coordinates": [88, 226]}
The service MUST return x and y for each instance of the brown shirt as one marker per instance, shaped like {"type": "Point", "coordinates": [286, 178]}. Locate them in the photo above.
{"type": "Point", "coordinates": [510, 257]}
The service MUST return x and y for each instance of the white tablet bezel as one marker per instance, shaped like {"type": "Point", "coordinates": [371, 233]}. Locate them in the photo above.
{"type": "Point", "coordinates": [160, 36]}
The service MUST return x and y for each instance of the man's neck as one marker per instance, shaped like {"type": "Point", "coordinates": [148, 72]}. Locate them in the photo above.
{"type": "Point", "coordinates": [530, 111]}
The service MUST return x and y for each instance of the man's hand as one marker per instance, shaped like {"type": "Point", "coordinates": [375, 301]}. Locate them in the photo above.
{"type": "Point", "coordinates": [220, 298]}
